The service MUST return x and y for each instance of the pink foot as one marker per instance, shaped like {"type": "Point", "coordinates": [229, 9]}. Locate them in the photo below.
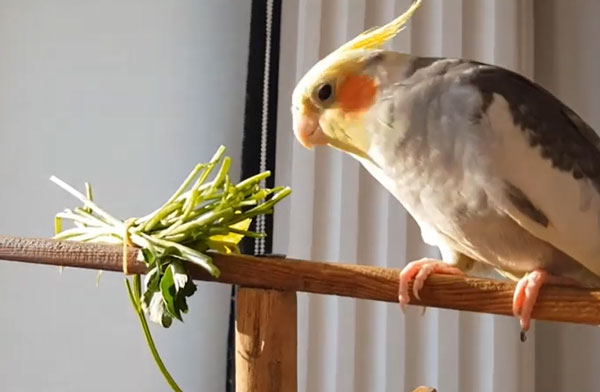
{"type": "Point", "coordinates": [419, 271]}
{"type": "Point", "coordinates": [527, 291]}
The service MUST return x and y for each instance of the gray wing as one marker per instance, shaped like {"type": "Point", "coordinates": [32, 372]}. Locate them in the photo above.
{"type": "Point", "coordinates": [563, 137]}
{"type": "Point", "coordinates": [550, 155]}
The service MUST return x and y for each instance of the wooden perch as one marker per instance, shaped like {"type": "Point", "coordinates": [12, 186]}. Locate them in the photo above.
{"type": "Point", "coordinates": [424, 389]}
{"type": "Point", "coordinates": [381, 284]}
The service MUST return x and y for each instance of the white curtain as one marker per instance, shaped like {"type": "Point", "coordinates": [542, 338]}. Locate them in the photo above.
{"type": "Point", "coordinates": [339, 213]}
{"type": "Point", "coordinates": [567, 62]}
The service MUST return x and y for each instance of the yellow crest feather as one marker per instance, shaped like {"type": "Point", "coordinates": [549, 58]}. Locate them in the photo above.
{"type": "Point", "coordinates": [375, 38]}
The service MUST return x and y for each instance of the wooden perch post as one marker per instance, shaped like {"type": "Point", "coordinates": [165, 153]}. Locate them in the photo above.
{"type": "Point", "coordinates": [567, 304]}
{"type": "Point", "coordinates": [265, 341]}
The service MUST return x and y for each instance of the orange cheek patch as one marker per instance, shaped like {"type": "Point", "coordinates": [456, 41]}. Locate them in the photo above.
{"type": "Point", "coordinates": [356, 93]}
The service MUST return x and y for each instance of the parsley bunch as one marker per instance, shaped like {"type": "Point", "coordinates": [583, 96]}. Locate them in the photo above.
{"type": "Point", "coordinates": [203, 215]}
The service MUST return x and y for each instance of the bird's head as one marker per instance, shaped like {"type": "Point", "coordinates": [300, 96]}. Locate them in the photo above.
{"type": "Point", "coordinates": [329, 103]}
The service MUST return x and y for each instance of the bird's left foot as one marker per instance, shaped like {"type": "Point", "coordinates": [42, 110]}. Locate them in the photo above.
{"type": "Point", "coordinates": [419, 271]}
{"type": "Point", "coordinates": [527, 291]}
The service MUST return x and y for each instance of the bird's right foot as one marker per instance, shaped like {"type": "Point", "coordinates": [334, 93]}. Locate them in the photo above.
{"type": "Point", "coordinates": [419, 270]}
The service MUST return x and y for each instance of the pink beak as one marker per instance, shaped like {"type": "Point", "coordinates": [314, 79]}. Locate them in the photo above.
{"type": "Point", "coordinates": [308, 131]}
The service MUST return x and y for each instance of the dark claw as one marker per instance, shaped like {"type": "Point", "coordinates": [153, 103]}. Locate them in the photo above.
{"type": "Point", "coordinates": [523, 336]}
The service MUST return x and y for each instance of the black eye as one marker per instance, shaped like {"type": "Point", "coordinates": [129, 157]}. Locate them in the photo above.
{"type": "Point", "coordinates": [324, 92]}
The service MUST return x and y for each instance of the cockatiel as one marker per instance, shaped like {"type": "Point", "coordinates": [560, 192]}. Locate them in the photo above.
{"type": "Point", "coordinates": [495, 170]}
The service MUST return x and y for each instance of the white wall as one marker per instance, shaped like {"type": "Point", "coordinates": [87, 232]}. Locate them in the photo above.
{"type": "Point", "coordinates": [129, 96]}
{"type": "Point", "coordinates": [567, 61]}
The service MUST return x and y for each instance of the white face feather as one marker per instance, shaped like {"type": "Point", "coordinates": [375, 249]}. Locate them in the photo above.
{"type": "Point", "coordinates": [324, 70]}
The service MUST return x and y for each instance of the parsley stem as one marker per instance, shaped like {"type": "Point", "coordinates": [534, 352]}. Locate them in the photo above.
{"type": "Point", "coordinates": [202, 220]}
{"type": "Point", "coordinates": [135, 298]}
{"type": "Point", "coordinates": [162, 213]}
{"type": "Point", "coordinates": [220, 177]}
{"type": "Point", "coordinates": [149, 222]}
{"type": "Point", "coordinates": [86, 202]}
{"type": "Point", "coordinates": [253, 180]}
